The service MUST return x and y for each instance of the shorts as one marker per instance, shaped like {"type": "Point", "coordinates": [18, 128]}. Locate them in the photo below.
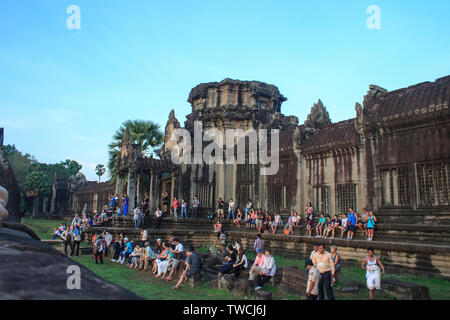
{"type": "Point", "coordinates": [258, 223]}
{"type": "Point", "coordinates": [351, 228]}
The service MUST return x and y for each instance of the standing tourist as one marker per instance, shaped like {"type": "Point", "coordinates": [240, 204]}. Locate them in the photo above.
{"type": "Point", "coordinates": [125, 204]}
{"type": "Point", "coordinates": [195, 204]}
{"type": "Point", "coordinates": [220, 206]}
{"type": "Point", "coordinates": [100, 246]}
{"type": "Point", "coordinates": [230, 209]}
{"type": "Point", "coordinates": [259, 243]}
{"type": "Point", "coordinates": [324, 263]}
{"type": "Point", "coordinates": [66, 236]}
{"type": "Point", "coordinates": [108, 240]}
{"type": "Point", "coordinates": [158, 217]}
{"type": "Point", "coordinates": [352, 221]}
{"type": "Point", "coordinates": [137, 217]}
{"type": "Point", "coordinates": [76, 241]}
{"type": "Point", "coordinates": [184, 209]}
{"type": "Point", "coordinates": [371, 263]}
{"type": "Point", "coordinates": [175, 206]}
{"type": "Point", "coordinates": [336, 257]}
{"type": "Point", "coordinates": [371, 221]}
{"type": "Point", "coordinates": [166, 201]}
{"type": "Point", "coordinates": [312, 284]}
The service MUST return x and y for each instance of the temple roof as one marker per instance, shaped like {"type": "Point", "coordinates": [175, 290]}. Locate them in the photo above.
{"type": "Point", "coordinates": [423, 97]}
{"type": "Point", "coordinates": [96, 187]}
{"type": "Point", "coordinates": [333, 136]}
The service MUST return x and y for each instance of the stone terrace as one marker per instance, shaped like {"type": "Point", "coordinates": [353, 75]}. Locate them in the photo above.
{"type": "Point", "coordinates": [420, 248]}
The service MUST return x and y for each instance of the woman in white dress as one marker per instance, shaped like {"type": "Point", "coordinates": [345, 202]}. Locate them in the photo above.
{"type": "Point", "coordinates": [372, 264]}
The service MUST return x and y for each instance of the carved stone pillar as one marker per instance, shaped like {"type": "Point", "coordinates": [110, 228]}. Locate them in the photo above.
{"type": "Point", "coordinates": [131, 190]}
{"type": "Point", "coordinates": [45, 205]}
{"type": "Point", "coordinates": [53, 201]}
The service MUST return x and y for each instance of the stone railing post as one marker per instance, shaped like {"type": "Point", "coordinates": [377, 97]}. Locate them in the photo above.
{"type": "Point", "coordinates": [3, 202]}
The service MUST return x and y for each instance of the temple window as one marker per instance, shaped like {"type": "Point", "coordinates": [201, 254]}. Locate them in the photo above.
{"type": "Point", "coordinates": [433, 183]}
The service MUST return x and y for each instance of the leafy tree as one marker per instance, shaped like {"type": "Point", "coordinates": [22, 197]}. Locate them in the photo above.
{"type": "Point", "coordinates": [100, 170]}
{"type": "Point", "coordinates": [36, 184]}
{"type": "Point", "coordinates": [146, 134]}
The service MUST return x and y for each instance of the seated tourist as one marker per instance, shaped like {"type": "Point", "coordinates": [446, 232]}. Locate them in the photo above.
{"type": "Point", "coordinates": [222, 238]}
{"type": "Point", "coordinates": [371, 221]}
{"type": "Point", "coordinates": [362, 222]}
{"type": "Point", "coordinates": [229, 260]}
{"type": "Point", "coordinates": [159, 247]}
{"type": "Point", "coordinates": [135, 256]}
{"type": "Point", "coordinates": [257, 265]}
{"type": "Point", "coordinates": [327, 226]}
{"type": "Point", "coordinates": [178, 257]}
{"type": "Point", "coordinates": [118, 246]}
{"type": "Point", "coordinates": [192, 267]}
{"type": "Point", "coordinates": [276, 223]}
{"type": "Point", "coordinates": [267, 222]}
{"type": "Point", "coordinates": [241, 262]}
{"type": "Point", "coordinates": [269, 269]}
{"type": "Point", "coordinates": [161, 260]}
{"type": "Point", "coordinates": [296, 219]}
{"type": "Point", "coordinates": [217, 227]}
{"type": "Point", "coordinates": [335, 224]}
{"type": "Point", "coordinates": [147, 257]}
{"type": "Point", "coordinates": [57, 232]}
{"type": "Point", "coordinates": [288, 228]}
{"type": "Point", "coordinates": [238, 219]}
{"type": "Point", "coordinates": [127, 250]}
{"type": "Point", "coordinates": [343, 226]}
{"type": "Point", "coordinates": [164, 267]}
{"type": "Point", "coordinates": [259, 221]}
{"type": "Point", "coordinates": [320, 226]}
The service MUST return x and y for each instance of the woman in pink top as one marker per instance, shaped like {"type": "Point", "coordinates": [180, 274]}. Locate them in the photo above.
{"type": "Point", "coordinates": [175, 207]}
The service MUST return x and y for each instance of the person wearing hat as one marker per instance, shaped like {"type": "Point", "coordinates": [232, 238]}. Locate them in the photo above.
{"type": "Point", "coordinates": [192, 267]}
{"type": "Point", "coordinates": [257, 265]}
{"type": "Point", "coordinates": [312, 284]}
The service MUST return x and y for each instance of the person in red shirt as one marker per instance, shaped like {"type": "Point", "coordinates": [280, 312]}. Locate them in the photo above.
{"type": "Point", "coordinates": [176, 204]}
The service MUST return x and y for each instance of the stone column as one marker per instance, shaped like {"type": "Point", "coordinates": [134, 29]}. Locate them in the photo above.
{"type": "Point", "coordinates": [53, 201]}
{"type": "Point", "coordinates": [44, 206]}
{"type": "Point", "coordinates": [131, 190]}
{"type": "Point", "coordinates": [172, 189]}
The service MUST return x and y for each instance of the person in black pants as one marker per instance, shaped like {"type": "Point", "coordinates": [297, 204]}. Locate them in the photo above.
{"type": "Point", "coordinates": [323, 261]}
{"type": "Point", "coordinates": [76, 240]}
{"type": "Point", "coordinates": [66, 236]}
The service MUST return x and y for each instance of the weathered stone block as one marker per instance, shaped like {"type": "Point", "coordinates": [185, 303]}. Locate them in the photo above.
{"type": "Point", "coordinates": [263, 295]}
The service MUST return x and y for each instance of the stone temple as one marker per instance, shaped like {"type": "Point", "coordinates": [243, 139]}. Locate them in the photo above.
{"type": "Point", "coordinates": [392, 157]}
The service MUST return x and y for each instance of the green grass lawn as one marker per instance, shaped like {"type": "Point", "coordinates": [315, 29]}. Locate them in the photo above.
{"type": "Point", "coordinates": [43, 227]}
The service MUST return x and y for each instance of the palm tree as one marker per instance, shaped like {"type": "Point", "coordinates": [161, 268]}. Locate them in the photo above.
{"type": "Point", "coordinates": [36, 183]}
{"type": "Point", "coordinates": [100, 170]}
{"type": "Point", "coordinates": [146, 134]}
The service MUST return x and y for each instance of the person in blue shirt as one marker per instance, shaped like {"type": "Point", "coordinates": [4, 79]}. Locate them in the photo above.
{"type": "Point", "coordinates": [128, 249]}
{"type": "Point", "coordinates": [352, 221]}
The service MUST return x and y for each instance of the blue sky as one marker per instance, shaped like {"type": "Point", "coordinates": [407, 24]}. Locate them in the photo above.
{"type": "Point", "coordinates": [64, 92]}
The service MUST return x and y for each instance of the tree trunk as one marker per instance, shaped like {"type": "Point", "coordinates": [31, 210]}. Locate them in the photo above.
{"type": "Point", "coordinates": [35, 205]}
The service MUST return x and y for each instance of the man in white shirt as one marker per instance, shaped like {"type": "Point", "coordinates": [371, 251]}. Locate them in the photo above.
{"type": "Point", "coordinates": [343, 225]}
{"type": "Point", "coordinates": [312, 284]}
{"type": "Point", "coordinates": [177, 256]}
{"type": "Point", "coordinates": [158, 216]}
{"type": "Point", "coordinates": [268, 270]}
